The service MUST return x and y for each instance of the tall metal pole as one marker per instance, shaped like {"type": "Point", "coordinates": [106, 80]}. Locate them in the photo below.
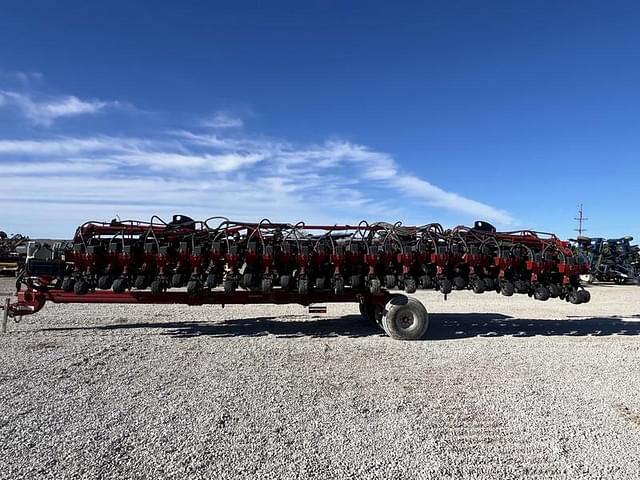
{"type": "Point", "coordinates": [581, 219]}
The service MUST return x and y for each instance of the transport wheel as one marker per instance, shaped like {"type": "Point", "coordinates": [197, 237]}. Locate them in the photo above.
{"type": "Point", "coordinates": [104, 282]}
{"type": "Point", "coordinates": [81, 287]}
{"type": "Point", "coordinates": [193, 286]}
{"type": "Point", "coordinates": [374, 286]}
{"type": "Point", "coordinates": [140, 282]}
{"type": "Point", "coordinates": [555, 290]}
{"type": "Point", "coordinates": [212, 280]}
{"type": "Point", "coordinates": [68, 283]}
{"type": "Point", "coordinates": [119, 285]}
{"type": "Point", "coordinates": [410, 285]}
{"type": "Point", "coordinates": [355, 281]}
{"type": "Point", "coordinates": [338, 286]}
{"type": "Point", "coordinates": [507, 289]}
{"type": "Point", "coordinates": [478, 285]}
{"type": "Point", "coordinates": [584, 296]}
{"type": "Point", "coordinates": [405, 318]}
{"type": "Point", "coordinates": [426, 282]}
{"type": "Point", "coordinates": [446, 286]}
{"type": "Point", "coordinates": [228, 285]}
{"type": "Point", "coordinates": [459, 283]}
{"type": "Point", "coordinates": [541, 293]}
{"type": "Point", "coordinates": [285, 280]}
{"type": "Point", "coordinates": [266, 285]}
{"type": "Point", "coordinates": [573, 297]}
{"type": "Point", "coordinates": [157, 286]}
{"type": "Point", "coordinates": [303, 286]}
{"type": "Point", "coordinates": [390, 281]}
{"type": "Point", "coordinates": [372, 312]}
{"type": "Point", "coordinates": [321, 283]}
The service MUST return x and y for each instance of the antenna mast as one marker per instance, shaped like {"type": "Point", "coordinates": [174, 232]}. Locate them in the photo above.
{"type": "Point", "coordinates": [581, 219]}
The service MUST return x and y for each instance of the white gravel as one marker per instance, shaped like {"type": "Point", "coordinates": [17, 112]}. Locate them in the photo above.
{"type": "Point", "coordinates": [504, 388]}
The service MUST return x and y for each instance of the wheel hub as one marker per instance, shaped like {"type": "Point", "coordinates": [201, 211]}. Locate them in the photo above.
{"type": "Point", "coordinates": [405, 320]}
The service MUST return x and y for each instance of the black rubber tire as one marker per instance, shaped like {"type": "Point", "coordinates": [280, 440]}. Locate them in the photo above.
{"type": "Point", "coordinates": [177, 280]}
{"type": "Point", "coordinates": [478, 285]}
{"type": "Point", "coordinates": [193, 286]}
{"type": "Point", "coordinates": [446, 286]}
{"type": "Point", "coordinates": [507, 289]}
{"type": "Point", "coordinates": [68, 283]}
{"type": "Point", "coordinates": [459, 283]}
{"type": "Point", "coordinates": [104, 282]}
{"type": "Point", "coordinates": [584, 296]}
{"type": "Point", "coordinates": [338, 286]}
{"type": "Point", "coordinates": [390, 281]}
{"type": "Point", "coordinates": [573, 297]}
{"type": "Point", "coordinates": [266, 285]}
{"type": "Point", "coordinates": [495, 283]}
{"type": "Point", "coordinates": [375, 287]}
{"type": "Point", "coordinates": [229, 285]}
{"type": "Point", "coordinates": [247, 281]}
{"type": "Point", "coordinates": [541, 293]}
{"type": "Point", "coordinates": [119, 285]}
{"type": "Point", "coordinates": [426, 282]}
{"type": "Point", "coordinates": [555, 290]}
{"type": "Point", "coordinates": [212, 280]}
{"type": "Point", "coordinates": [521, 286]}
{"type": "Point", "coordinates": [410, 285]}
{"type": "Point", "coordinates": [321, 283]}
{"type": "Point", "coordinates": [157, 286]}
{"type": "Point", "coordinates": [285, 282]}
{"type": "Point", "coordinates": [303, 286]}
{"type": "Point", "coordinates": [405, 318]}
{"type": "Point", "coordinates": [356, 281]}
{"type": "Point", "coordinates": [141, 282]}
{"type": "Point", "coordinates": [81, 287]}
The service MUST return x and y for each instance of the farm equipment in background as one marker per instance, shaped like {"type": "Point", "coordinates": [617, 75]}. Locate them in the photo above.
{"type": "Point", "coordinates": [220, 261]}
{"type": "Point", "coordinates": [611, 260]}
{"type": "Point", "coordinates": [12, 253]}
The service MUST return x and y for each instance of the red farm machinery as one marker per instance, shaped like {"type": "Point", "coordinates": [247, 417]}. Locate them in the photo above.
{"type": "Point", "coordinates": [220, 261]}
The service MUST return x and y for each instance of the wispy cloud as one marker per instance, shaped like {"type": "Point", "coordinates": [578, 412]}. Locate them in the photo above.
{"type": "Point", "coordinates": [221, 120]}
{"type": "Point", "coordinates": [233, 173]}
{"type": "Point", "coordinates": [220, 169]}
{"type": "Point", "coordinates": [46, 111]}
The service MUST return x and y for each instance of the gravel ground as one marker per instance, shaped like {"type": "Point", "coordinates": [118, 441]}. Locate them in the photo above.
{"type": "Point", "coordinates": [515, 389]}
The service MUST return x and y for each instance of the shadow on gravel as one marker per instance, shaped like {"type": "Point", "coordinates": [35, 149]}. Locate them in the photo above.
{"type": "Point", "coordinates": [444, 326]}
{"type": "Point", "coordinates": [347, 326]}
{"type": "Point", "coordinates": [448, 326]}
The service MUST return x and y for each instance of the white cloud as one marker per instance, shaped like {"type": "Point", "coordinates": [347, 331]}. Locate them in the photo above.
{"type": "Point", "coordinates": [221, 171]}
{"type": "Point", "coordinates": [45, 112]}
{"type": "Point", "coordinates": [242, 174]}
{"type": "Point", "coordinates": [70, 145]}
{"type": "Point", "coordinates": [221, 120]}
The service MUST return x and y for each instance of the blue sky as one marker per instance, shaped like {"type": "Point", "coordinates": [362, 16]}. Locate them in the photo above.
{"type": "Point", "coordinates": [514, 112]}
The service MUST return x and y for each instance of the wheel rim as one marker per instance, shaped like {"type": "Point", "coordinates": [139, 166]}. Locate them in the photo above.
{"type": "Point", "coordinates": [405, 320]}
